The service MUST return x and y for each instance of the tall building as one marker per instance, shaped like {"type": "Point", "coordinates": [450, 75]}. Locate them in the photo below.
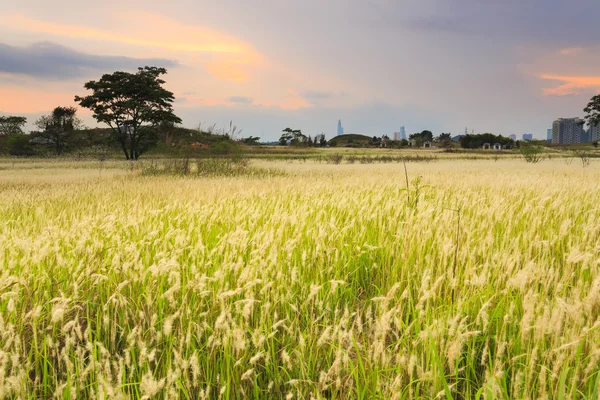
{"type": "Point", "coordinates": [402, 133]}
{"type": "Point", "coordinates": [549, 135]}
{"type": "Point", "coordinates": [527, 136]}
{"type": "Point", "coordinates": [513, 137]}
{"type": "Point", "coordinates": [340, 128]}
{"type": "Point", "coordinates": [396, 136]}
{"type": "Point", "coordinates": [567, 131]}
{"type": "Point", "coordinates": [594, 133]}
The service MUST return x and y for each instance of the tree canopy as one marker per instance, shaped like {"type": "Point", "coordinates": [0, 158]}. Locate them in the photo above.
{"type": "Point", "coordinates": [592, 111]}
{"type": "Point", "coordinates": [57, 128]}
{"type": "Point", "coordinates": [12, 125]}
{"type": "Point", "coordinates": [294, 136]}
{"type": "Point", "coordinates": [477, 141]}
{"type": "Point", "coordinates": [128, 103]}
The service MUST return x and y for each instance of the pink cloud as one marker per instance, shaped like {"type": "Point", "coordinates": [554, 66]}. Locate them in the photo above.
{"type": "Point", "coordinates": [572, 85]}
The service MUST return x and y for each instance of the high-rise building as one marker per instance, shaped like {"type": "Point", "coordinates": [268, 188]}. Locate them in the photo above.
{"type": "Point", "coordinates": [567, 131]}
{"type": "Point", "coordinates": [396, 136]}
{"type": "Point", "coordinates": [549, 135]}
{"type": "Point", "coordinates": [340, 128]}
{"type": "Point", "coordinates": [594, 133]}
{"type": "Point", "coordinates": [513, 137]}
{"type": "Point", "coordinates": [527, 136]}
{"type": "Point", "coordinates": [402, 133]}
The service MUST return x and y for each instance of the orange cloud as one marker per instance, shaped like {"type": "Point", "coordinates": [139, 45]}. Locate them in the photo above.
{"type": "Point", "coordinates": [223, 56]}
{"type": "Point", "coordinates": [571, 50]}
{"type": "Point", "coordinates": [571, 84]}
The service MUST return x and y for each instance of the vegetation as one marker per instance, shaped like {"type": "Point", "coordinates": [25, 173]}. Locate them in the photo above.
{"type": "Point", "coordinates": [58, 128]}
{"type": "Point", "coordinates": [127, 103]}
{"type": "Point", "coordinates": [592, 111]}
{"type": "Point", "coordinates": [12, 125]}
{"type": "Point", "coordinates": [477, 141]}
{"type": "Point", "coordinates": [350, 139]}
{"type": "Point", "coordinates": [420, 138]}
{"type": "Point", "coordinates": [330, 281]}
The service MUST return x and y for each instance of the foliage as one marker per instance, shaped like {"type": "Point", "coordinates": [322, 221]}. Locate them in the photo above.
{"type": "Point", "coordinates": [592, 111]}
{"type": "Point", "coordinates": [444, 139]}
{"type": "Point", "coordinates": [251, 140]}
{"type": "Point", "coordinates": [12, 125]}
{"type": "Point", "coordinates": [532, 154]}
{"type": "Point", "coordinates": [294, 137]}
{"type": "Point", "coordinates": [126, 102]}
{"type": "Point", "coordinates": [472, 141]}
{"type": "Point", "coordinates": [18, 145]}
{"type": "Point", "coordinates": [420, 138]}
{"type": "Point", "coordinates": [58, 128]}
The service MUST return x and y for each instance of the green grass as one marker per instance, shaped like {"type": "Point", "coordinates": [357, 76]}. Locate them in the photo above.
{"type": "Point", "coordinates": [321, 281]}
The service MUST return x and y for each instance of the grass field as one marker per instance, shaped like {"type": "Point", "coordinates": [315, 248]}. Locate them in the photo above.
{"type": "Point", "coordinates": [481, 280]}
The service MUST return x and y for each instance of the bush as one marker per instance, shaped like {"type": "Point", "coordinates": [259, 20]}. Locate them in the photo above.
{"type": "Point", "coordinates": [532, 154]}
{"type": "Point", "coordinates": [18, 145]}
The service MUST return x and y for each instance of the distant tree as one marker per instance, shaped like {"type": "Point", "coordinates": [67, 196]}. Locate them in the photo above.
{"type": "Point", "coordinates": [294, 136]}
{"type": "Point", "coordinates": [286, 136]}
{"type": "Point", "coordinates": [18, 145]}
{"type": "Point", "coordinates": [427, 136]}
{"type": "Point", "coordinates": [595, 143]}
{"type": "Point", "coordinates": [12, 125]}
{"type": "Point", "coordinates": [57, 128]}
{"type": "Point", "coordinates": [422, 137]}
{"type": "Point", "coordinates": [126, 102]}
{"type": "Point", "coordinates": [444, 139]}
{"type": "Point", "coordinates": [592, 111]}
{"type": "Point", "coordinates": [471, 141]}
{"type": "Point", "coordinates": [322, 140]}
{"type": "Point", "coordinates": [404, 142]}
{"type": "Point", "coordinates": [251, 140]}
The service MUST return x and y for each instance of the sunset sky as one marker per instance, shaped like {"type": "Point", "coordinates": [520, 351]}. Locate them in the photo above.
{"type": "Point", "coordinates": [501, 66]}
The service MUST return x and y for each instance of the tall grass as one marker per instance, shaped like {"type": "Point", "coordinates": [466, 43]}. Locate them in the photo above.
{"type": "Point", "coordinates": [325, 282]}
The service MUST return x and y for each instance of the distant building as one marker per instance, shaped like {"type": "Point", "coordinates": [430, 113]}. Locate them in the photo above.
{"type": "Point", "coordinates": [594, 133]}
{"type": "Point", "coordinates": [402, 133]}
{"type": "Point", "coordinates": [513, 137]}
{"type": "Point", "coordinates": [567, 131]}
{"type": "Point", "coordinates": [527, 136]}
{"type": "Point", "coordinates": [340, 128]}
{"type": "Point", "coordinates": [585, 136]}
{"type": "Point", "coordinates": [549, 135]}
{"type": "Point", "coordinates": [396, 136]}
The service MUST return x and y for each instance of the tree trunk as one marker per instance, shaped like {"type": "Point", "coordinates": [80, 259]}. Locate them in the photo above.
{"type": "Point", "coordinates": [124, 148]}
{"type": "Point", "coordinates": [132, 147]}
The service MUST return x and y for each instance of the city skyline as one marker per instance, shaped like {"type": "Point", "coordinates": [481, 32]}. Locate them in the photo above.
{"type": "Point", "coordinates": [248, 67]}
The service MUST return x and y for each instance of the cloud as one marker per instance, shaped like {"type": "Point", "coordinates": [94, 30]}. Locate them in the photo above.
{"type": "Point", "coordinates": [222, 56]}
{"type": "Point", "coordinates": [316, 95]}
{"type": "Point", "coordinates": [571, 84]}
{"type": "Point", "coordinates": [49, 60]}
{"type": "Point", "coordinates": [240, 99]}
{"type": "Point", "coordinates": [568, 51]}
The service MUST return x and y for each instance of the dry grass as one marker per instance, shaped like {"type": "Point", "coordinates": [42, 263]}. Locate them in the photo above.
{"type": "Point", "coordinates": [320, 283]}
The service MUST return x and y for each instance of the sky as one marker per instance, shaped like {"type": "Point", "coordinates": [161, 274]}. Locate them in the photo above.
{"type": "Point", "coordinates": [501, 66]}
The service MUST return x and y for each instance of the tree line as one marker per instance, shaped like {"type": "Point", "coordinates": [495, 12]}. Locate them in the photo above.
{"type": "Point", "coordinates": [132, 105]}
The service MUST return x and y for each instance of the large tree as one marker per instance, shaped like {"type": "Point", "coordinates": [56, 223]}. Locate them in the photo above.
{"type": "Point", "coordinates": [57, 128]}
{"type": "Point", "coordinates": [130, 103]}
{"type": "Point", "coordinates": [592, 111]}
{"type": "Point", "coordinates": [12, 125]}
